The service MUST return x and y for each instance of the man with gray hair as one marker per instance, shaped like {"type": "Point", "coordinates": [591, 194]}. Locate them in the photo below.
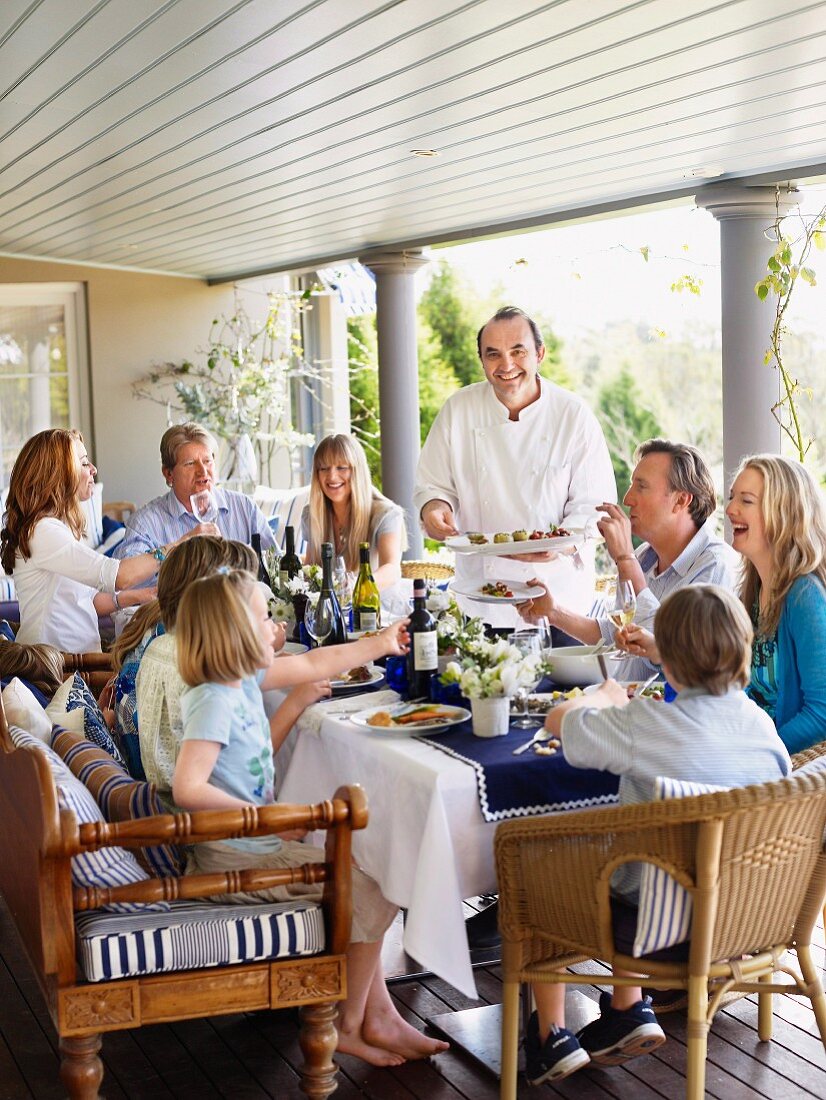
{"type": "Point", "coordinates": [188, 465]}
{"type": "Point", "coordinates": [670, 501]}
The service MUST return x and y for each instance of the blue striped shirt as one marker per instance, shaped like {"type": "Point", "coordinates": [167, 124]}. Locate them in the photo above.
{"type": "Point", "coordinates": [706, 560]}
{"type": "Point", "coordinates": [165, 519]}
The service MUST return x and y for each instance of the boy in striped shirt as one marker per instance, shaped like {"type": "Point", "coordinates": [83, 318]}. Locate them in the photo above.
{"type": "Point", "coordinates": [711, 733]}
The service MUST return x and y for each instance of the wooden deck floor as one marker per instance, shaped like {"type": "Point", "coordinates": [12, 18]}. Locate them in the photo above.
{"type": "Point", "coordinates": [253, 1056]}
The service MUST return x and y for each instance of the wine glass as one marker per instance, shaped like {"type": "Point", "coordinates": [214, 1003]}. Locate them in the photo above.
{"type": "Point", "coordinates": [318, 620]}
{"type": "Point", "coordinates": [624, 607]}
{"type": "Point", "coordinates": [343, 587]}
{"type": "Point", "coordinates": [529, 645]}
{"type": "Point", "coordinates": [204, 506]}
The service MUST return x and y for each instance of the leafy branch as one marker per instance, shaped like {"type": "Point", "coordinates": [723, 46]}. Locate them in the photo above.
{"type": "Point", "coordinates": [795, 236]}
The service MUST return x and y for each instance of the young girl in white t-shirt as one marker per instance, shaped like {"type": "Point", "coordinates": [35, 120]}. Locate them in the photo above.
{"type": "Point", "coordinates": [225, 652]}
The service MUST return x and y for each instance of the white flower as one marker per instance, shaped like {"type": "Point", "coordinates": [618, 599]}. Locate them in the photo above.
{"type": "Point", "coordinates": [438, 601]}
{"type": "Point", "coordinates": [298, 585]}
{"type": "Point", "coordinates": [281, 610]}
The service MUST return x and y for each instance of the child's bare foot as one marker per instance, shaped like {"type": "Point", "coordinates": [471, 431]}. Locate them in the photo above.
{"type": "Point", "coordinates": [355, 1044]}
{"type": "Point", "coordinates": [395, 1034]}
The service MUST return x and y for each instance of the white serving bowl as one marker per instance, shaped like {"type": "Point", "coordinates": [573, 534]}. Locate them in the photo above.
{"type": "Point", "coordinates": [576, 665]}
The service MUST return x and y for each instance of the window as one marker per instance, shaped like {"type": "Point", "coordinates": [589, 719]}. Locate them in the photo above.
{"type": "Point", "coordinates": [43, 364]}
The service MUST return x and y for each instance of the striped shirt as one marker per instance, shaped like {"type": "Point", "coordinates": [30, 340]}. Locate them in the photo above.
{"type": "Point", "coordinates": [721, 739]}
{"type": "Point", "coordinates": [165, 519]}
{"type": "Point", "coordinates": [706, 560]}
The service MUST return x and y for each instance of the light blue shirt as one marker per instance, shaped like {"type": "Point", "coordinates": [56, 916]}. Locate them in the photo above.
{"type": "Point", "coordinates": [165, 519]}
{"type": "Point", "coordinates": [706, 560]}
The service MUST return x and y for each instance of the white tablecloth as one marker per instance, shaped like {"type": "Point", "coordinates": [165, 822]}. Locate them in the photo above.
{"type": "Point", "coordinates": [426, 844]}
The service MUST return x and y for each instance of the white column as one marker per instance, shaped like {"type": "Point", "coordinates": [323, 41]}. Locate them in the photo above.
{"type": "Point", "coordinates": [750, 386]}
{"type": "Point", "coordinates": [398, 379]}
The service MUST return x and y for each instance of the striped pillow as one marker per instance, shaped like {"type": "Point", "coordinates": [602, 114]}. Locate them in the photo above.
{"type": "Point", "coordinates": [665, 907]}
{"type": "Point", "coordinates": [194, 935]}
{"type": "Point", "coordinates": [120, 797]}
{"type": "Point", "coordinates": [107, 866]}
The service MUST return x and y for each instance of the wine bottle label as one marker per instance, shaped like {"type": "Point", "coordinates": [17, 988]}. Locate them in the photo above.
{"type": "Point", "coordinates": [366, 620]}
{"type": "Point", "coordinates": [425, 651]}
{"type": "Point", "coordinates": [283, 577]}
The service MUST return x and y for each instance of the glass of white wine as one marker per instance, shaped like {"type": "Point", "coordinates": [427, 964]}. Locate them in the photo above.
{"type": "Point", "coordinates": [624, 608]}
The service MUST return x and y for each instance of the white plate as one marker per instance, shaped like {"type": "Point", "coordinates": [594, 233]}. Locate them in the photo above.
{"type": "Point", "coordinates": [521, 592]}
{"type": "Point", "coordinates": [540, 702]}
{"type": "Point", "coordinates": [459, 544]}
{"type": "Point", "coordinates": [456, 715]}
{"type": "Point", "coordinates": [629, 684]}
{"type": "Point", "coordinates": [294, 648]}
{"type": "Point", "coordinates": [376, 676]}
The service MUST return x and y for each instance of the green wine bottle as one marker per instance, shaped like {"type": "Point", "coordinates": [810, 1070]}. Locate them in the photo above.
{"type": "Point", "coordinates": [366, 600]}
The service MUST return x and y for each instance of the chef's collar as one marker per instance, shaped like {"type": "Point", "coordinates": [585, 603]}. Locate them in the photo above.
{"type": "Point", "coordinates": [502, 412]}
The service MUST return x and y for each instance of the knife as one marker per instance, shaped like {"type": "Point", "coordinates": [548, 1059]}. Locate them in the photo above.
{"type": "Point", "coordinates": [603, 668]}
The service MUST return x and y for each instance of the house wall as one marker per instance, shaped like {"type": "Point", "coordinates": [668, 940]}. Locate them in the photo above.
{"type": "Point", "coordinates": [136, 320]}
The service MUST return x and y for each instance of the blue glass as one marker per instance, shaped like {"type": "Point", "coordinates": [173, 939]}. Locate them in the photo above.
{"type": "Point", "coordinates": [669, 694]}
{"type": "Point", "coordinates": [446, 694]}
{"type": "Point", "coordinates": [395, 672]}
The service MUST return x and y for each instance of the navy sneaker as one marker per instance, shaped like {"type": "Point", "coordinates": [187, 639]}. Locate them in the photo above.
{"type": "Point", "coordinates": [616, 1036]}
{"type": "Point", "coordinates": [557, 1057]}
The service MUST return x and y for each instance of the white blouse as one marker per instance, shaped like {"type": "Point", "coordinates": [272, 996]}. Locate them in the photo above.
{"type": "Point", "coordinates": [56, 585]}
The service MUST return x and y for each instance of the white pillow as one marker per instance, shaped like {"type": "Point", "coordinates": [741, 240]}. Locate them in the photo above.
{"type": "Point", "coordinates": [22, 709]}
{"type": "Point", "coordinates": [665, 907]}
{"type": "Point", "coordinates": [57, 713]}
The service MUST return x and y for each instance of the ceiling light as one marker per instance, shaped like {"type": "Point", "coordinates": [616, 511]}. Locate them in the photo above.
{"type": "Point", "coordinates": [425, 152]}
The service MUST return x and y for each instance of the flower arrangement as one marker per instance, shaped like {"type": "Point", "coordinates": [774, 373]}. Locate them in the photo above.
{"type": "Point", "coordinates": [487, 669]}
{"type": "Point", "coordinates": [297, 589]}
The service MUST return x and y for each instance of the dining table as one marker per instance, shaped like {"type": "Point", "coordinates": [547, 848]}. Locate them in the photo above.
{"type": "Point", "coordinates": [434, 803]}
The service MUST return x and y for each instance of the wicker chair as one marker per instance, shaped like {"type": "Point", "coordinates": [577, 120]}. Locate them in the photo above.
{"type": "Point", "coordinates": [752, 859]}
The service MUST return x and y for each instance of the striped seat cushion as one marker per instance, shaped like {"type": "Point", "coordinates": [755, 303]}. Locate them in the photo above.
{"type": "Point", "coordinates": [195, 935]}
{"type": "Point", "coordinates": [120, 797]}
{"type": "Point", "coordinates": [665, 907]}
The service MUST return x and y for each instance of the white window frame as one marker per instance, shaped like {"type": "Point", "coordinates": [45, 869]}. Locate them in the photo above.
{"type": "Point", "coordinates": [72, 296]}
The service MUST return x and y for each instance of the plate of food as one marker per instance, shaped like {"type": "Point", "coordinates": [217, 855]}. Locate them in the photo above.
{"type": "Point", "coordinates": [653, 691]}
{"type": "Point", "coordinates": [498, 592]}
{"type": "Point", "coordinates": [361, 676]}
{"type": "Point", "coordinates": [410, 718]}
{"type": "Point", "coordinates": [520, 541]}
{"type": "Point", "coordinates": [540, 702]}
{"type": "Point", "coordinates": [293, 648]}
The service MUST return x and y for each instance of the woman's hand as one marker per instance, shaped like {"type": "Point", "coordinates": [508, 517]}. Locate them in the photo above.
{"type": "Point", "coordinates": [638, 642]}
{"type": "Point", "coordinates": [542, 604]}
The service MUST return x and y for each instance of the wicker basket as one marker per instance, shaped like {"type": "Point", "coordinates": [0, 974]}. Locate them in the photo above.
{"type": "Point", "coordinates": [429, 570]}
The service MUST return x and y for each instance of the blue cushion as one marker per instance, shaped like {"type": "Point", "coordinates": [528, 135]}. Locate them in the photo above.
{"type": "Point", "coordinates": [6, 630]}
{"type": "Point", "coordinates": [194, 935]}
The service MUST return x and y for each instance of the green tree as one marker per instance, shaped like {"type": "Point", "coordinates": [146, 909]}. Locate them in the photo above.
{"type": "Point", "coordinates": [449, 318]}
{"type": "Point", "coordinates": [362, 352]}
{"type": "Point", "coordinates": [626, 422]}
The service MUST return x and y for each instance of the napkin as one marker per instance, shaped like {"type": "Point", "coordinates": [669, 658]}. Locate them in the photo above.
{"type": "Point", "coordinates": [310, 721]}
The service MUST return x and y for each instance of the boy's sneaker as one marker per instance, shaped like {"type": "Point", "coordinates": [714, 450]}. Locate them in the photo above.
{"type": "Point", "coordinates": [557, 1057]}
{"type": "Point", "coordinates": [617, 1036]}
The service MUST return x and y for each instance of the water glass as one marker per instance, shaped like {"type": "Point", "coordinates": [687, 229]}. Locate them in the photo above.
{"type": "Point", "coordinates": [318, 620]}
{"type": "Point", "coordinates": [204, 506]}
{"type": "Point", "coordinates": [529, 645]}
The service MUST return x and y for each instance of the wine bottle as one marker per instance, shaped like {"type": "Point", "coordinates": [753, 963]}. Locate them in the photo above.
{"type": "Point", "coordinates": [328, 601]}
{"type": "Point", "coordinates": [366, 600]}
{"type": "Point", "coordinates": [290, 564]}
{"type": "Point", "coordinates": [263, 575]}
{"type": "Point", "coordinates": [423, 657]}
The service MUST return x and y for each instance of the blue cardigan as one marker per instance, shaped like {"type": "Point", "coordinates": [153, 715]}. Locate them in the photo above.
{"type": "Point", "coordinates": [800, 714]}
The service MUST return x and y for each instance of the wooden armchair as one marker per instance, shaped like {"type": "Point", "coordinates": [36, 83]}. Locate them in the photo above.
{"type": "Point", "coordinates": [752, 860]}
{"type": "Point", "coordinates": [95, 668]}
{"type": "Point", "coordinates": [35, 878]}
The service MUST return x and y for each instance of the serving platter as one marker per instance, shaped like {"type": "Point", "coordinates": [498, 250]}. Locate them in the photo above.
{"type": "Point", "coordinates": [460, 544]}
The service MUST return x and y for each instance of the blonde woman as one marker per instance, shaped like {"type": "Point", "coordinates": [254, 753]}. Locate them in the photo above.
{"type": "Point", "coordinates": [346, 510]}
{"type": "Point", "coordinates": [778, 523]}
{"type": "Point", "coordinates": [62, 584]}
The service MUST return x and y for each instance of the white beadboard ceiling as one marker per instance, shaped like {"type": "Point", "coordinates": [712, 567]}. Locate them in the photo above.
{"type": "Point", "coordinates": [221, 139]}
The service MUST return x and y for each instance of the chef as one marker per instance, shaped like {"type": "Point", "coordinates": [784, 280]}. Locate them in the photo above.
{"type": "Point", "coordinates": [515, 451]}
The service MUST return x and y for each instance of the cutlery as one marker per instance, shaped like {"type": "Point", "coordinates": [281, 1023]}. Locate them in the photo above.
{"type": "Point", "coordinates": [603, 668]}
{"type": "Point", "coordinates": [647, 683]}
{"type": "Point", "coordinates": [537, 739]}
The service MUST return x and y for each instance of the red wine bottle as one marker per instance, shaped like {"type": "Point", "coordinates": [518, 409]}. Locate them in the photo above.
{"type": "Point", "coordinates": [423, 657]}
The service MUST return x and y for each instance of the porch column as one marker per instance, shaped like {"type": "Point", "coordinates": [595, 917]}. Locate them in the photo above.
{"type": "Point", "coordinates": [398, 379]}
{"type": "Point", "coordinates": [750, 387]}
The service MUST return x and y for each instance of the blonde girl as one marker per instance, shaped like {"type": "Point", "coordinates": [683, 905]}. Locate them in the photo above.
{"type": "Point", "coordinates": [346, 510]}
{"type": "Point", "coordinates": [226, 761]}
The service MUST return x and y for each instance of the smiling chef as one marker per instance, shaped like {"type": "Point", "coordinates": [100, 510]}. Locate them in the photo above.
{"type": "Point", "coordinates": [515, 451]}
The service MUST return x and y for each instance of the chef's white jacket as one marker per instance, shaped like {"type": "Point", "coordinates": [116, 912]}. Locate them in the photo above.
{"type": "Point", "coordinates": [551, 466]}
